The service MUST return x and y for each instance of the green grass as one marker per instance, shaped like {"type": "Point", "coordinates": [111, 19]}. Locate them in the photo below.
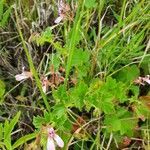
{"type": "Point", "coordinates": [91, 60]}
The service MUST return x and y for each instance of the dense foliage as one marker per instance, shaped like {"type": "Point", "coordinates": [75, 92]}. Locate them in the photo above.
{"type": "Point", "coordinates": [79, 67]}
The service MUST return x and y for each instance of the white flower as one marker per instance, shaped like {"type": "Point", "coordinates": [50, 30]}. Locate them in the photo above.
{"type": "Point", "coordinates": [63, 10]}
{"type": "Point", "coordinates": [59, 19]}
{"type": "Point", "coordinates": [45, 84]}
{"type": "Point", "coordinates": [52, 138]}
{"type": "Point", "coordinates": [23, 75]}
{"type": "Point", "coordinates": [61, 6]}
{"type": "Point", "coordinates": [147, 79]}
{"type": "Point", "coordinates": [142, 80]}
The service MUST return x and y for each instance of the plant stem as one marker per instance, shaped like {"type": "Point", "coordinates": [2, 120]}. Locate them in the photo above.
{"type": "Point", "coordinates": [72, 42]}
{"type": "Point", "coordinates": [31, 65]}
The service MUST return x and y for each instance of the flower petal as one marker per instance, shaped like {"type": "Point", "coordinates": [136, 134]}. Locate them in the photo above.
{"type": "Point", "coordinates": [20, 77]}
{"type": "Point", "coordinates": [59, 141]}
{"type": "Point", "coordinates": [58, 19]}
{"type": "Point", "coordinates": [44, 88]}
{"type": "Point", "coordinates": [23, 75]}
{"type": "Point", "coordinates": [45, 84]}
{"type": "Point", "coordinates": [146, 80]}
{"type": "Point", "coordinates": [51, 132]}
{"type": "Point", "coordinates": [50, 144]}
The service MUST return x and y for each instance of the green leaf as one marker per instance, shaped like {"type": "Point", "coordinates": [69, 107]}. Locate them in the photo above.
{"type": "Point", "coordinates": [1, 9]}
{"type": "Point", "coordinates": [135, 90]}
{"type": "Point", "coordinates": [46, 36]}
{"type": "Point", "coordinates": [24, 139]}
{"type": "Point", "coordinates": [10, 126]}
{"type": "Point", "coordinates": [128, 122]}
{"type": "Point", "coordinates": [5, 17]}
{"type": "Point", "coordinates": [2, 146]}
{"type": "Point", "coordinates": [116, 15]}
{"type": "Point", "coordinates": [8, 144]}
{"type": "Point", "coordinates": [110, 84]}
{"type": "Point", "coordinates": [128, 74]}
{"type": "Point", "coordinates": [67, 125]}
{"type": "Point", "coordinates": [55, 61]}
{"type": "Point", "coordinates": [1, 131]}
{"type": "Point", "coordinates": [127, 126]}
{"type": "Point", "coordinates": [85, 56]}
{"type": "Point", "coordinates": [82, 71]}
{"type": "Point", "coordinates": [77, 94]}
{"type": "Point", "coordinates": [90, 3]}
{"type": "Point", "coordinates": [60, 122]}
{"type": "Point", "coordinates": [120, 92]}
{"type": "Point", "coordinates": [38, 121]}
{"type": "Point", "coordinates": [115, 89]}
{"type": "Point", "coordinates": [95, 84]}
{"type": "Point", "coordinates": [122, 112]}
{"type": "Point", "coordinates": [121, 121]}
{"type": "Point", "coordinates": [6, 125]}
{"type": "Point", "coordinates": [59, 110]}
{"type": "Point", "coordinates": [141, 110]}
{"type": "Point", "coordinates": [79, 57]}
{"type": "Point", "coordinates": [61, 95]}
{"type": "Point", "coordinates": [2, 88]}
{"type": "Point", "coordinates": [48, 117]}
{"type": "Point", "coordinates": [112, 123]}
{"type": "Point", "coordinates": [107, 107]}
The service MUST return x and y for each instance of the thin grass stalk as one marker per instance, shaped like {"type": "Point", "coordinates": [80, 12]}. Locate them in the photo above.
{"type": "Point", "coordinates": [72, 42]}
{"type": "Point", "coordinates": [109, 142]}
{"type": "Point", "coordinates": [31, 65]}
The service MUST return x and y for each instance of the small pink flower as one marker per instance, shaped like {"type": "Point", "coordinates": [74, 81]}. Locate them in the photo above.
{"type": "Point", "coordinates": [52, 138]}
{"type": "Point", "coordinates": [61, 6]}
{"type": "Point", "coordinates": [142, 80]}
{"type": "Point", "coordinates": [139, 81]}
{"type": "Point", "coordinates": [59, 19]}
{"type": "Point", "coordinates": [147, 79]}
{"type": "Point", "coordinates": [45, 84]}
{"type": "Point", "coordinates": [63, 9]}
{"type": "Point", "coordinates": [23, 75]}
